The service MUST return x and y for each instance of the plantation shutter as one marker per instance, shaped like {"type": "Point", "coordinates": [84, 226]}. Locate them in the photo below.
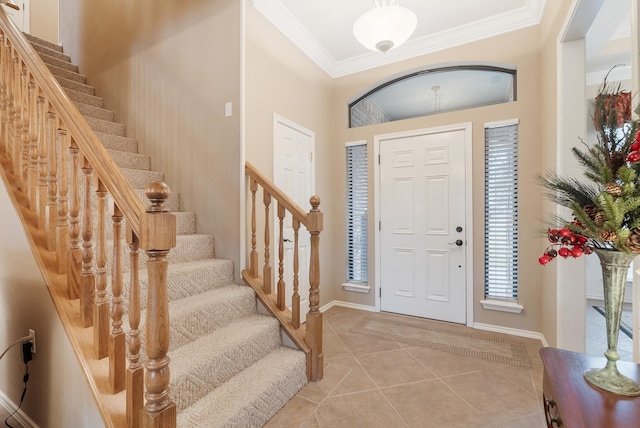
{"type": "Point", "coordinates": [357, 213]}
{"type": "Point", "coordinates": [501, 211]}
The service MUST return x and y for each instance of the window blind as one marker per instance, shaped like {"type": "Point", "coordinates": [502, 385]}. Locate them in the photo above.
{"type": "Point", "coordinates": [357, 175]}
{"type": "Point", "coordinates": [501, 212]}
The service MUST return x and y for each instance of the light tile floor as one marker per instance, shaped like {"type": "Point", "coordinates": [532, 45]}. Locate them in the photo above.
{"type": "Point", "coordinates": [596, 335]}
{"type": "Point", "coordinates": [371, 382]}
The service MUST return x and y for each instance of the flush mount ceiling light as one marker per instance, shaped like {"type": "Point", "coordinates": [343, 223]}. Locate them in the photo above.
{"type": "Point", "coordinates": [385, 27]}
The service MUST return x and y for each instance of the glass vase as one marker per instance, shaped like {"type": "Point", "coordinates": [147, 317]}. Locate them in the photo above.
{"type": "Point", "coordinates": [615, 265]}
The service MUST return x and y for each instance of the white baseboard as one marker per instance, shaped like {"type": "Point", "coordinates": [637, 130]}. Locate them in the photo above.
{"type": "Point", "coordinates": [20, 416]}
{"type": "Point", "coordinates": [511, 331]}
{"type": "Point", "coordinates": [347, 305]}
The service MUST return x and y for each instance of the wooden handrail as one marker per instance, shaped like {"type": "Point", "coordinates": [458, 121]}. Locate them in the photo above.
{"type": "Point", "coordinates": [38, 125]}
{"type": "Point", "coordinates": [307, 337]}
{"type": "Point", "coordinates": [87, 141]}
{"type": "Point", "coordinates": [295, 210]}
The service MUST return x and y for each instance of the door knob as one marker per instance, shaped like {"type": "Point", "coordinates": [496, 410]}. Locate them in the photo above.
{"type": "Point", "coordinates": [458, 242]}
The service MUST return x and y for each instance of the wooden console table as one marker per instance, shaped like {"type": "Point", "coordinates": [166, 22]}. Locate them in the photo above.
{"type": "Point", "coordinates": [571, 402]}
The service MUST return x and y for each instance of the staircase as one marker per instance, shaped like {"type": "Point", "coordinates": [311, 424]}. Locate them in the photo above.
{"type": "Point", "coordinates": [228, 365]}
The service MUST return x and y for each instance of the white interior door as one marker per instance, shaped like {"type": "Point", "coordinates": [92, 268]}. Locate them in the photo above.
{"type": "Point", "coordinates": [422, 230]}
{"type": "Point", "coordinates": [294, 175]}
{"type": "Point", "coordinates": [19, 17]}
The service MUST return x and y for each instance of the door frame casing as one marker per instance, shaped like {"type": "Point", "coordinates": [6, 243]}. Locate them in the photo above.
{"type": "Point", "coordinates": [468, 137]}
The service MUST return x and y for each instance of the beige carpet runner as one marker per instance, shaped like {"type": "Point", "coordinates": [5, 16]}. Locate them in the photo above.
{"type": "Point", "coordinates": [228, 365]}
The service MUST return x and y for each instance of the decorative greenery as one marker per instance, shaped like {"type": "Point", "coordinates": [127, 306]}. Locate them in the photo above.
{"type": "Point", "coordinates": [605, 206]}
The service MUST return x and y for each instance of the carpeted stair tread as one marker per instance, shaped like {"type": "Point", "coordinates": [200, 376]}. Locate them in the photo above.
{"type": "Point", "coordinates": [139, 178]}
{"type": "Point", "coordinates": [67, 74]}
{"type": "Point", "coordinates": [42, 49]}
{"type": "Point", "coordinates": [107, 127]}
{"type": "Point", "coordinates": [197, 316]}
{"type": "Point", "coordinates": [189, 278]}
{"type": "Point", "coordinates": [48, 59]}
{"type": "Point", "coordinates": [97, 112]}
{"type": "Point", "coordinates": [205, 364]}
{"type": "Point", "coordinates": [43, 42]}
{"type": "Point", "coordinates": [81, 97]}
{"type": "Point", "coordinates": [252, 397]}
{"type": "Point", "coordinates": [76, 86]}
{"type": "Point", "coordinates": [185, 224]}
{"type": "Point", "coordinates": [131, 160]}
{"type": "Point", "coordinates": [114, 142]}
{"type": "Point", "coordinates": [193, 247]}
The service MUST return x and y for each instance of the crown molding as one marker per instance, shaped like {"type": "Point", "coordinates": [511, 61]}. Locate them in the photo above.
{"type": "Point", "coordinates": [278, 15]}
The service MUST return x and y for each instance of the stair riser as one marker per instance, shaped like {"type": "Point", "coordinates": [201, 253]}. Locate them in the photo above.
{"type": "Point", "coordinates": [75, 86]}
{"type": "Point", "coordinates": [67, 74]}
{"type": "Point", "coordinates": [58, 63]}
{"type": "Point", "coordinates": [51, 52]}
{"type": "Point", "coordinates": [85, 98]}
{"type": "Point", "coordinates": [98, 113]}
{"type": "Point", "coordinates": [121, 144]}
{"type": "Point", "coordinates": [106, 127]}
{"type": "Point", "coordinates": [182, 283]}
{"type": "Point", "coordinates": [188, 248]}
{"type": "Point", "coordinates": [43, 42]}
{"type": "Point", "coordinates": [188, 388]}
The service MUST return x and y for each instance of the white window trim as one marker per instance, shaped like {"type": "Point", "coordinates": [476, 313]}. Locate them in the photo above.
{"type": "Point", "coordinates": [502, 305]}
{"type": "Point", "coordinates": [511, 306]}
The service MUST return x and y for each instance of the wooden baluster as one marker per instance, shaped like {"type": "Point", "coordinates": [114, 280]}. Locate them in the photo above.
{"type": "Point", "coordinates": [62, 229]}
{"type": "Point", "coordinates": [254, 253]}
{"type": "Point", "coordinates": [117, 338]}
{"type": "Point", "coordinates": [33, 144]}
{"type": "Point", "coordinates": [101, 306]}
{"type": "Point", "coordinates": [87, 285]}
{"type": "Point", "coordinates": [8, 124]}
{"type": "Point", "coordinates": [3, 93]}
{"type": "Point", "coordinates": [41, 192]}
{"type": "Point", "coordinates": [158, 236]}
{"type": "Point", "coordinates": [16, 120]}
{"type": "Point", "coordinates": [51, 216]}
{"type": "Point", "coordinates": [74, 258]}
{"type": "Point", "coordinates": [266, 270]}
{"type": "Point", "coordinates": [314, 316]}
{"type": "Point", "coordinates": [295, 299]}
{"type": "Point", "coordinates": [281, 285]}
{"type": "Point", "coordinates": [24, 126]}
{"type": "Point", "coordinates": [135, 371]}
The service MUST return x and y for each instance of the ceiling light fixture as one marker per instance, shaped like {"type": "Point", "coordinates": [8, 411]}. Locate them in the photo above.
{"type": "Point", "coordinates": [386, 26]}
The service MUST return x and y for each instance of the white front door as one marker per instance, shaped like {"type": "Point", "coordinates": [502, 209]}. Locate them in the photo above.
{"type": "Point", "coordinates": [19, 17]}
{"type": "Point", "coordinates": [422, 230]}
{"type": "Point", "coordinates": [294, 174]}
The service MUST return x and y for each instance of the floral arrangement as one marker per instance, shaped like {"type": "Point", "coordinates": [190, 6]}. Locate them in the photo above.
{"type": "Point", "coordinates": [605, 206]}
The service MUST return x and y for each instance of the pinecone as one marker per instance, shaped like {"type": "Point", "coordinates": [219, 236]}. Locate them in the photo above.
{"type": "Point", "coordinates": [616, 161]}
{"type": "Point", "coordinates": [591, 210]}
{"type": "Point", "coordinates": [633, 241]}
{"type": "Point", "coordinates": [599, 219]}
{"type": "Point", "coordinates": [614, 189]}
{"type": "Point", "coordinates": [608, 235]}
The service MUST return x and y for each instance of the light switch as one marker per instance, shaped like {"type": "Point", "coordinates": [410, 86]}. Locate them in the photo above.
{"type": "Point", "coordinates": [227, 109]}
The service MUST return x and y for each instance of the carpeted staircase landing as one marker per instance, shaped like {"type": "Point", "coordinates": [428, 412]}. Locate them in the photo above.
{"type": "Point", "coordinates": [228, 365]}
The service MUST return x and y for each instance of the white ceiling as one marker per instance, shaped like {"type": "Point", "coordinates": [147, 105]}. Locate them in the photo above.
{"type": "Point", "coordinates": [323, 28]}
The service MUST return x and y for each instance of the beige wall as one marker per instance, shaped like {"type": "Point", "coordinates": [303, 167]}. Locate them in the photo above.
{"type": "Point", "coordinates": [58, 394]}
{"type": "Point", "coordinates": [43, 19]}
{"type": "Point", "coordinates": [281, 79]}
{"type": "Point", "coordinates": [520, 49]}
{"type": "Point", "coordinates": [167, 69]}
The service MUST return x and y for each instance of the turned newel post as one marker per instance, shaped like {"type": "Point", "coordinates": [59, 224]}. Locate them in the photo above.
{"type": "Point", "coordinates": [314, 316]}
{"type": "Point", "coordinates": [157, 237]}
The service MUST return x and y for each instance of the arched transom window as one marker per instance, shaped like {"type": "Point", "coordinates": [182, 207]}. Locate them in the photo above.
{"type": "Point", "coordinates": [433, 91]}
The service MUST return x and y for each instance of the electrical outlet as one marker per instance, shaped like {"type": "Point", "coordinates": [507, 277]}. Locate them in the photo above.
{"type": "Point", "coordinates": [32, 339]}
